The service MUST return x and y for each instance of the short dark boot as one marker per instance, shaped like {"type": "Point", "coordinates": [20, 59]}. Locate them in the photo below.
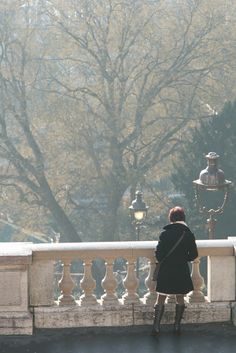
{"type": "Point", "coordinates": [179, 310]}
{"type": "Point", "coordinates": [159, 310]}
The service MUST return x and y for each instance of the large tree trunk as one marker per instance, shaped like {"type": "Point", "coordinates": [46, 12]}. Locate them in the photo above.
{"type": "Point", "coordinates": [66, 228]}
{"type": "Point", "coordinates": [110, 226]}
{"type": "Point", "coordinates": [114, 197]}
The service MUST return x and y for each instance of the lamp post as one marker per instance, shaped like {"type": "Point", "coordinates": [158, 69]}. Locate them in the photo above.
{"type": "Point", "coordinates": [138, 211]}
{"type": "Point", "coordinates": [211, 179]}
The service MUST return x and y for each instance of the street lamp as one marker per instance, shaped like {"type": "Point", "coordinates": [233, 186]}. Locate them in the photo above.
{"type": "Point", "coordinates": [211, 179]}
{"type": "Point", "coordinates": [138, 211]}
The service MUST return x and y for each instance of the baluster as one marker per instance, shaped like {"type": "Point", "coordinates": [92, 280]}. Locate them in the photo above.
{"type": "Point", "coordinates": [151, 296]}
{"type": "Point", "coordinates": [196, 296]}
{"type": "Point", "coordinates": [131, 284]}
{"type": "Point", "coordinates": [66, 285]}
{"type": "Point", "coordinates": [109, 283]}
{"type": "Point", "coordinates": [88, 285]}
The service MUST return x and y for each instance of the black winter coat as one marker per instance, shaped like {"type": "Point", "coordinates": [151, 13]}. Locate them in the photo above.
{"type": "Point", "coordinates": [174, 274]}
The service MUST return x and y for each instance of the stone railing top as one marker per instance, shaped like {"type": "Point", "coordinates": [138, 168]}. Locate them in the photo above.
{"type": "Point", "coordinates": [233, 240]}
{"type": "Point", "coordinates": [15, 253]}
{"type": "Point", "coordinates": [21, 253]}
{"type": "Point", "coordinates": [126, 249]}
{"type": "Point", "coordinates": [215, 247]}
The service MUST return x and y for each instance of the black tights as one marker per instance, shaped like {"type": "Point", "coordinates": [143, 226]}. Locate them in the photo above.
{"type": "Point", "coordinates": [178, 297]}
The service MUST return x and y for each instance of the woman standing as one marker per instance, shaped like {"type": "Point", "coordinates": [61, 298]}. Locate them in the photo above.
{"type": "Point", "coordinates": [176, 247]}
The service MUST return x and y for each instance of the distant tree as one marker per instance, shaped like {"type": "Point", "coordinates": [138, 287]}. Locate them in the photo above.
{"type": "Point", "coordinates": [138, 71]}
{"type": "Point", "coordinates": [21, 154]}
{"type": "Point", "coordinates": [96, 96]}
{"type": "Point", "coordinates": [217, 134]}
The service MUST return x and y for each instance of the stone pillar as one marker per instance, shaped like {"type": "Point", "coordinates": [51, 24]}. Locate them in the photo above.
{"type": "Point", "coordinates": [41, 283]}
{"type": "Point", "coordinates": [15, 317]}
{"type": "Point", "coordinates": [221, 278]}
{"type": "Point", "coordinates": [66, 285]}
{"type": "Point", "coordinates": [88, 284]}
{"type": "Point", "coordinates": [131, 283]}
{"type": "Point", "coordinates": [109, 283]}
{"type": "Point", "coordinates": [151, 296]}
{"type": "Point", "coordinates": [196, 296]}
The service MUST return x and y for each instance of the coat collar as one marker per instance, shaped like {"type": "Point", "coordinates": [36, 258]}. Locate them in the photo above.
{"type": "Point", "coordinates": [178, 225]}
{"type": "Point", "coordinates": [181, 222]}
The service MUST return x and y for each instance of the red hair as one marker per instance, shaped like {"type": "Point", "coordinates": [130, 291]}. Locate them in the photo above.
{"type": "Point", "coordinates": [176, 214]}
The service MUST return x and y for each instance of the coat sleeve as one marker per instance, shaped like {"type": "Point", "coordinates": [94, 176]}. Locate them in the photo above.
{"type": "Point", "coordinates": [160, 248]}
{"type": "Point", "coordinates": [192, 252]}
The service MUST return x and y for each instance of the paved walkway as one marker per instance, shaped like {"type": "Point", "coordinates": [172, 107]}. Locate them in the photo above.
{"type": "Point", "coordinates": [216, 338]}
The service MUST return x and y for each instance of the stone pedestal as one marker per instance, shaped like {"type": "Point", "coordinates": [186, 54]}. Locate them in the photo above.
{"type": "Point", "coordinates": [15, 317]}
{"type": "Point", "coordinates": [221, 278]}
{"type": "Point", "coordinates": [42, 283]}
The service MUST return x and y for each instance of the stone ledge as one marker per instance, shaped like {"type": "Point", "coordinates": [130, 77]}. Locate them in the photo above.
{"type": "Point", "coordinates": [194, 313]}
{"type": "Point", "coordinates": [126, 315]}
{"type": "Point", "coordinates": [76, 316]}
{"type": "Point", "coordinates": [16, 323]}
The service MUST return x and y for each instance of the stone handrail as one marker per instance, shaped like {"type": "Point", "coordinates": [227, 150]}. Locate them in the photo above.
{"type": "Point", "coordinates": [49, 251]}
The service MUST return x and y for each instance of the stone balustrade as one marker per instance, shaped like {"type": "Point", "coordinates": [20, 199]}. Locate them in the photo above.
{"type": "Point", "coordinates": [125, 297]}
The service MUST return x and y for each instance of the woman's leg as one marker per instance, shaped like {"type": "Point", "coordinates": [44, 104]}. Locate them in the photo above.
{"type": "Point", "coordinates": [159, 310]}
{"type": "Point", "coordinates": [179, 310]}
{"type": "Point", "coordinates": [161, 298]}
{"type": "Point", "coordinates": [179, 299]}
